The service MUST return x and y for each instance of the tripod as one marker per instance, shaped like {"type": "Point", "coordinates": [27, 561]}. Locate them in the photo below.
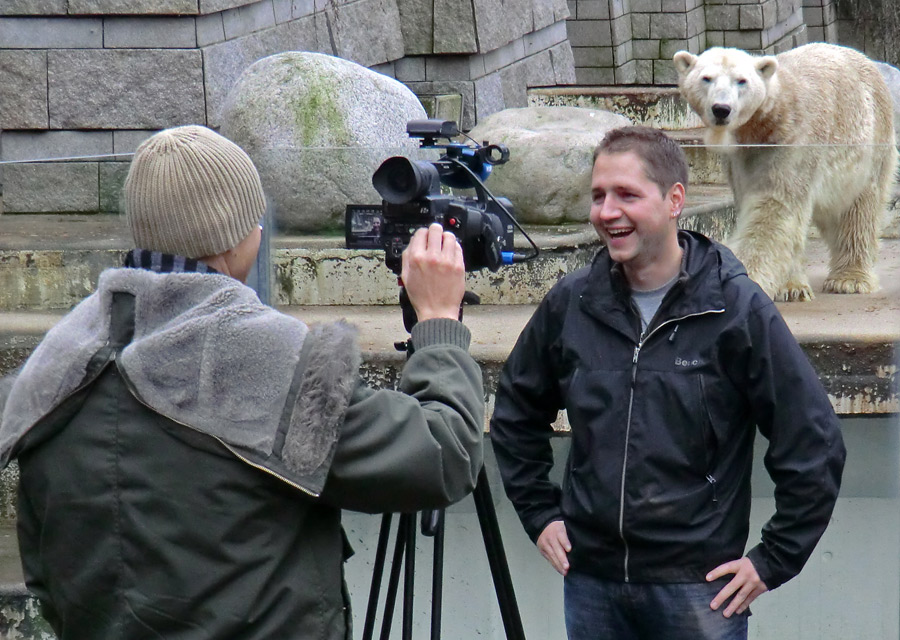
{"type": "Point", "coordinates": [433, 525]}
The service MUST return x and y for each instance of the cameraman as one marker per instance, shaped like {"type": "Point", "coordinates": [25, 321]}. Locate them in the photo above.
{"type": "Point", "coordinates": [185, 451]}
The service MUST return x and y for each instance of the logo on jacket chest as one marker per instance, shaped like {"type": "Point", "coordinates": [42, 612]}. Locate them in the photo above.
{"type": "Point", "coordinates": [686, 362]}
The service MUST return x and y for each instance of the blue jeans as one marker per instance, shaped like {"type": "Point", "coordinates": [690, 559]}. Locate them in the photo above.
{"type": "Point", "coordinates": [601, 609]}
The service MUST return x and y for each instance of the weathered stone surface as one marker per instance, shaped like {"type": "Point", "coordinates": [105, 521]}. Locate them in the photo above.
{"type": "Point", "coordinates": [563, 63]}
{"type": "Point", "coordinates": [112, 179]}
{"type": "Point", "coordinates": [548, 175]}
{"type": "Point", "coordinates": [150, 33]}
{"type": "Point", "coordinates": [353, 28]}
{"type": "Point", "coordinates": [23, 89]}
{"type": "Point", "coordinates": [125, 89]}
{"type": "Point", "coordinates": [243, 20]}
{"type": "Point", "coordinates": [51, 187]}
{"type": "Point", "coordinates": [454, 27]}
{"type": "Point", "coordinates": [488, 95]}
{"type": "Point", "coordinates": [498, 23]}
{"type": "Point", "coordinates": [225, 62]}
{"type": "Point", "coordinates": [317, 127]}
{"type": "Point", "coordinates": [39, 33]}
{"type": "Point", "coordinates": [133, 7]}
{"type": "Point", "coordinates": [39, 145]}
{"type": "Point", "coordinates": [416, 26]}
{"type": "Point", "coordinates": [33, 7]}
{"type": "Point", "coordinates": [212, 6]}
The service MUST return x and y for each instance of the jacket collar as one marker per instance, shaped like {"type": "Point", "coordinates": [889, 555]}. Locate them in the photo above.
{"type": "Point", "coordinates": [606, 295]}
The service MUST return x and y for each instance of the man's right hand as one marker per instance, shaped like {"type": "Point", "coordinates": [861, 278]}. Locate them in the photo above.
{"type": "Point", "coordinates": [434, 273]}
{"type": "Point", "coordinates": [554, 545]}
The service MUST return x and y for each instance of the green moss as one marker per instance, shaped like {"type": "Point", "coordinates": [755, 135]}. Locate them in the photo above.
{"type": "Point", "coordinates": [317, 114]}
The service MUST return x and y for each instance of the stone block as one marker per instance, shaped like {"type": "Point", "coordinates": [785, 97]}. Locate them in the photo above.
{"type": "Point", "coordinates": [283, 10]}
{"type": "Point", "coordinates": [593, 10]}
{"type": "Point", "coordinates": [545, 38]}
{"type": "Point", "coordinates": [210, 29]}
{"type": "Point", "coordinates": [416, 26]}
{"type": "Point", "coordinates": [617, 8]}
{"type": "Point", "coordinates": [410, 68]}
{"type": "Point", "coordinates": [646, 6]}
{"type": "Point", "coordinates": [814, 16]}
{"type": "Point", "coordinates": [150, 33]}
{"type": "Point", "coordinates": [816, 34]}
{"type": "Point", "coordinates": [214, 6]}
{"type": "Point", "coordinates": [446, 68]}
{"type": "Point", "coordinates": [465, 89]}
{"type": "Point", "coordinates": [643, 71]}
{"type": "Point", "coordinates": [45, 33]}
{"type": "Point", "coordinates": [623, 53]}
{"type": "Point", "coordinates": [111, 180]}
{"type": "Point", "coordinates": [302, 8]}
{"type": "Point", "coordinates": [539, 70]}
{"type": "Point", "coordinates": [590, 33]}
{"type": "Point", "coordinates": [454, 27]}
{"type": "Point", "coordinates": [696, 22]}
{"type": "Point", "coordinates": [751, 17]}
{"type": "Point", "coordinates": [627, 73]}
{"type": "Point", "coordinates": [23, 89]}
{"type": "Point", "coordinates": [573, 9]}
{"type": "Point", "coordinates": [723, 18]}
{"type": "Point", "coordinates": [444, 107]}
{"type": "Point", "coordinates": [714, 39]}
{"type": "Point", "coordinates": [51, 187]}
{"type": "Point", "coordinates": [668, 25]}
{"type": "Point", "coordinates": [499, 23]}
{"type": "Point", "coordinates": [563, 63]}
{"type": "Point", "coordinates": [381, 17]}
{"type": "Point", "coordinates": [561, 10]}
{"type": "Point", "coordinates": [133, 7]}
{"type": "Point", "coordinates": [770, 14]}
{"type": "Point", "coordinates": [594, 76]}
{"type": "Point", "coordinates": [499, 58]}
{"type": "Point", "coordinates": [751, 40]}
{"type": "Point", "coordinates": [664, 72]}
{"type": "Point", "coordinates": [40, 145]}
{"type": "Point", "coordinates": [674, 6]}
{"type": "Point", "coordinates": [543, 14]}
{"type": "Point", "coordinates": [125, 88]}
{"type": "Point", "coordinates": [34, 8]}
{"type": "Point", "coordinates": [513, 80]}
{"type": "Point", "coordinates": [640, 25]}
{"type": "Point", "coordinates": [129, 140]}
{"type": "Point", "coordinates": [242, 21]}
{"type": "Point", "coordinates": [596, 56]}
{"type": "Point", "coordinates": [668, 48]}
{"type": "Point", "coordinates": [488, 95]}
{"type": "Point", "coordinates": [621, 30]}
{"type": "Point", "coordinates": [646, 49]}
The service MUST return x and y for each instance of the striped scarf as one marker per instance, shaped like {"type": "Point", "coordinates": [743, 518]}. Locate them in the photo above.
{"type": "Point", "coordinates": [164, 262]}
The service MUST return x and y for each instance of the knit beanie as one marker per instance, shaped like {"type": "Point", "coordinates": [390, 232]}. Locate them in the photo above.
{"type": "Point", "coordinates": [192, 193]}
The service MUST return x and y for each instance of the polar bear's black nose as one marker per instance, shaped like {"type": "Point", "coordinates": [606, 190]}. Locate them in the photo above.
{"type": "Point", "coordinates": [721, 111]}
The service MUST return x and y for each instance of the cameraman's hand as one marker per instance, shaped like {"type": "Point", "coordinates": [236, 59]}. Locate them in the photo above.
{"type": "Point", "coordinates": [434, 274]}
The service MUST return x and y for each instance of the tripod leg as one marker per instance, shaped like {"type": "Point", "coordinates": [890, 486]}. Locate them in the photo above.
{"type": "Point", "coordinates": [437, 577]}
{"type": "Point", "coordinates": [409, 531]}
{"type": "Point", "coordinates": [394, 580]}
{"type": "Point", "coordinates": [377, 574]}
{"type": "Point", "coordinates": [493, 544]}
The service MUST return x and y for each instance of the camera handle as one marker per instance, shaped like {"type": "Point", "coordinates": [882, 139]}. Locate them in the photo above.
{"type": "Point", "coordinates": [410, 318]}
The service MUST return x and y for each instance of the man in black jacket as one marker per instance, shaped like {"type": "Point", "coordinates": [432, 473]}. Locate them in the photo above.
{"type": "Point", "coordinates": [667, 358]}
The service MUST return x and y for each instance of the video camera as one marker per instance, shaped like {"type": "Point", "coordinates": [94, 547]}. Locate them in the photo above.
{"type": "Point", "coordinates": [412, 198]}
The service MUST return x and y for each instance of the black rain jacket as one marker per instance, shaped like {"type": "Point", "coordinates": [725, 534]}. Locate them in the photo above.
{"type": "Point", "coordinates": [657, 483]}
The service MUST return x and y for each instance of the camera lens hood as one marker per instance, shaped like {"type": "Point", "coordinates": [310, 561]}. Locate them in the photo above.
{"type": "Point", "coordinates": [400, 180]}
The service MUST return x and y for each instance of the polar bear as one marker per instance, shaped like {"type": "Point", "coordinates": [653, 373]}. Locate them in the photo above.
{"type": "Point", "coordinates": [818, 124]}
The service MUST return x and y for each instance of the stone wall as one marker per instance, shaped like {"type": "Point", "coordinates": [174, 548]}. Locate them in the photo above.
{"type": "Point", "coordinates": [633, 41]}
{"type": "Point", "coordinates": [96, 77]}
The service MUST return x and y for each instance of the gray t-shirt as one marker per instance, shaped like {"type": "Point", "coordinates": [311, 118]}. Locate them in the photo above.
{"type": "Point", "coordinates": [648, 302]}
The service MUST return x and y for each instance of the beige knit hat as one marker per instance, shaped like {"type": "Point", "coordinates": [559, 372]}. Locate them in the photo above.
{"type": "Point", "coordinates": [192, 193]}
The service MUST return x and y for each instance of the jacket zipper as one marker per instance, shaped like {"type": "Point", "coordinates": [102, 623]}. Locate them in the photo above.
{"type": "Point", "coordinates": [634, 361]}
{"type": "Point", "coordinates": [137, 397]}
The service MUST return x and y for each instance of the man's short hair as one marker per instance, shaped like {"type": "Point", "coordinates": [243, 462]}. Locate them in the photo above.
{"type": "Point", "coordinates": [663, 159]}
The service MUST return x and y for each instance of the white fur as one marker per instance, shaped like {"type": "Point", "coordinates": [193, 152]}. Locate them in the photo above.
{"type": "Point", "coordinates": [823, 119]}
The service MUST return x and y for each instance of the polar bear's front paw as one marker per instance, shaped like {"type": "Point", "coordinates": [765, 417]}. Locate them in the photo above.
{"type": "Point", "coordinates": [794, 292]}
{"type": "Point", "coordinates": [850, 284]}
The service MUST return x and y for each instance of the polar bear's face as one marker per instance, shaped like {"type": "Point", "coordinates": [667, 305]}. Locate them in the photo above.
{"type": "Point", "coordinates": [724, 86]}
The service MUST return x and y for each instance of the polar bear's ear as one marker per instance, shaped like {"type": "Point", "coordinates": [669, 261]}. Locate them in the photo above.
{"type": "Point", "coordinates": [684, 60]}
{"type": "Point", "coordinates": [766, 67]}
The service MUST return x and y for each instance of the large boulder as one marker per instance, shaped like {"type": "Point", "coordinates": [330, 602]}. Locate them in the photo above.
{"type": "Point", "coordinates": [548, 175]}
{"type": "Point", "coordinates": [317, 127]}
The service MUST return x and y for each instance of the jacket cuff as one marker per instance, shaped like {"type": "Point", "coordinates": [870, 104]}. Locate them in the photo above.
{"type": "Point", "coordinates": [760, 559]}
{"type": "Point", "coordinates": [440, 331]}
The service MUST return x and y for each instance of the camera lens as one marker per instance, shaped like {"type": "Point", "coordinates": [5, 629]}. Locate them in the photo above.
{"type": "Point", "coordinates": [399, 180]}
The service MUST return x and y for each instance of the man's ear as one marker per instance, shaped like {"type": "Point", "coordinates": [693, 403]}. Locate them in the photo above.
{"type": "Point", "coordinates": [675, 199]}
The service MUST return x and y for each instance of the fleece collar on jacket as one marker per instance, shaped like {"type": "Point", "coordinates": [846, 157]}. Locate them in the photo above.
{"type": "Point", "coordinates": [208, 354]}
